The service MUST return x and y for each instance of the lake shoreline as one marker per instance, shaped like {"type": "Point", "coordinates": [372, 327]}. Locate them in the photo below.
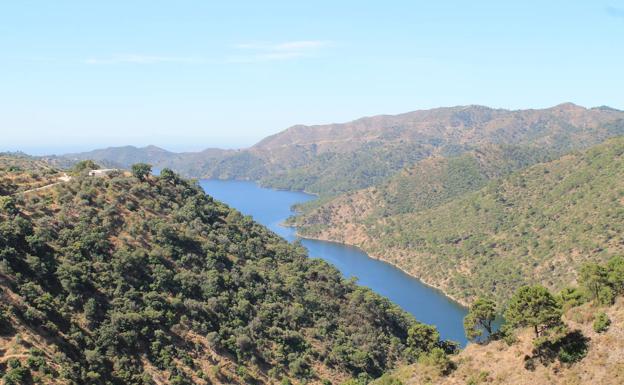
{"type": "Point", "coordinates": [369, 254]}
{"type": "Point", "coordinates": [372, 256]}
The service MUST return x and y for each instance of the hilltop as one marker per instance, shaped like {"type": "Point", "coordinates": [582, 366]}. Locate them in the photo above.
{"type": "Point", "coordinates": [147, 280]}
{"type": "Point", "coordinates": [189, 163]}
{"type": "Point", "coordinates": [452, 223]}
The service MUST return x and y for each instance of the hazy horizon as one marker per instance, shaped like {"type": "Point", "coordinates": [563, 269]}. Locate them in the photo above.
{"type": "Point", "coordinates": [191, 145]}
{"type": "Point", "coordinates": [78, 76]}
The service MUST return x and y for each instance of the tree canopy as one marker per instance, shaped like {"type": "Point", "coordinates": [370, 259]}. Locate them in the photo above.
{"type": "Point", "coordinates": [533, 306]}
{"type": "Point", "coordinates": [141, 170]}
{"type": "Point", "coordinates": [479, 318]}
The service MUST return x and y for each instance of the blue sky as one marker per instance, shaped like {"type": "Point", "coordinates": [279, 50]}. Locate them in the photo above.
{"type": "Point", "coordinates": [187, 75]}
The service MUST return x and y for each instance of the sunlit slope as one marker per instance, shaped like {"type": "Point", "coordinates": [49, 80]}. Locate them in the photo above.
{"type": "Point", "coordinates": [535, 225]}
{"type": "Point", "coordinates": [143, 280]}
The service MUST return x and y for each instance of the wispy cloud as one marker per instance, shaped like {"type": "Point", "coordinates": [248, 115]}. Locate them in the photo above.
{"type": "Point", "coordinates": [244, 53]}
{"type": "Point", "coordinates": [141, 59]}
{"type": "Point", "coordinates": [615, 12]}
{"type": "Point", "coordinates": [260, 52]}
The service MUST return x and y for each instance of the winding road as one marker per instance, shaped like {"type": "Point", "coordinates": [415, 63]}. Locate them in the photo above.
{"type": "Point", "coordinates": [62, 179]}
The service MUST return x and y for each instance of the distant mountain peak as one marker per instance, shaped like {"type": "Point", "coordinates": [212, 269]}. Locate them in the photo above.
{"type": "Point", "coordinates": [153, 147]}
{"type": "Point", "coordinates": [606, 108]}
{"type": "Point", "coordinates": [568, 106]}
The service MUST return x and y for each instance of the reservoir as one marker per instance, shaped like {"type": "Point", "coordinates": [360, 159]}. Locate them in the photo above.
{"type": "Point", "coordinates": [272, 207]}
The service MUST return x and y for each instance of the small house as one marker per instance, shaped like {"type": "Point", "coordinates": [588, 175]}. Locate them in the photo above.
{"type": "Point", "coordinates": [103, 172]}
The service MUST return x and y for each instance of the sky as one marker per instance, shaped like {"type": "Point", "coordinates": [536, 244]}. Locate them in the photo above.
{"type": "Point", "coordinates": [187, 75]}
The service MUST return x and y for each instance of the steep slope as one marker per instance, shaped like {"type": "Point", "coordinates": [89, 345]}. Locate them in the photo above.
{"type": "Point", "coordinates": [536, 225]}
{"type": "Point", "coordinates": [335, 158]}
{"type": "Point", "coordinates": [125, 281]}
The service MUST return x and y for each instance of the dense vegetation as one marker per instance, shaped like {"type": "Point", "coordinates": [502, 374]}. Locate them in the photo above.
{"type": "Point", "coordinates": [333, 173]}
{"type": "Point", "coordinates": [141, 279]}
{"type": "Point", "coordinates": [426, 184]}
{"type": "Point", "coordinates": [534, 226]}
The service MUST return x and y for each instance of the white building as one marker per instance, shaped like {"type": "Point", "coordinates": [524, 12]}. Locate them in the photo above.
{"type": "Point", "coordinates": [103, 172]}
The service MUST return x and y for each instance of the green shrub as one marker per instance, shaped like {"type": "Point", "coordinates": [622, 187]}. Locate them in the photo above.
{"type": "Point", "coordinates": [606, 296]}
{"type": "Point", "coordinates": [571, 297]}
{"type": "Point", "coordinates": [388, 380]}
{"type": "Point", "coordinates": [17, 374]}
{"type": "Point", "coordinates": [480, 378]}
{"type": "Point", "coordinates": [601, 323]}
{"type": "Point", "coordinates": [438, 359]}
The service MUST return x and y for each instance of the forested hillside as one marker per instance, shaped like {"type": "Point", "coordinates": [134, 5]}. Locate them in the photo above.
{"type": "Point", "coordinates": [428, 183]}
{"type": "Point", "coordinates": [146, 280]}
{"type": "Point", "coordinates": [533, 226]}
{"type": "Point", "coordinates": [336, 158]}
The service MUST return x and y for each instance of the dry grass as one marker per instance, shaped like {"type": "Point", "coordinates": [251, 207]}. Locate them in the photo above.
{"type": "Point", "coordinates": [498, 363]}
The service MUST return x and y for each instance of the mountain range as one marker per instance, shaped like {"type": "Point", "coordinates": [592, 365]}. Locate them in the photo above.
{"type": "Point", "coordinates": [394, 184]}
{"type": "Point", "coordinates": [133, 278]}
{"type": "Point", "coordinates": [336, 158]}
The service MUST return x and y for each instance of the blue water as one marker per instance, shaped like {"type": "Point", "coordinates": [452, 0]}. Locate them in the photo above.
{"type": "Point", "coordinates": [272, 207]}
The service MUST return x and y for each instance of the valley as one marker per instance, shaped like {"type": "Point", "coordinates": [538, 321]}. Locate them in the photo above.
{"type": "Point", "coordinates": [473, 203]}
{"type": "Point", "coordinates": [272, 207]}
{"type": "Point", "coordinates": [311, 193]}
{"type": "Point", "coordinates": [399, 187]}
{"type": "Point", "coordinates": [130, 278]}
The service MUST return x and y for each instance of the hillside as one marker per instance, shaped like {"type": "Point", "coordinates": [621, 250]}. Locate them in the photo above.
{"type": "Point", "coordinates": [146, 280]}
{"type": "Point", "coordinates": [535, 225]}
{"type": "Point", "coordinates": [336, 158]}
{"type": "Point", "coordinates": [19, 172]}
{"type": "Point", "coordinates": [499, 363]}
{"type": "Point", "coordinates": [428, 183]}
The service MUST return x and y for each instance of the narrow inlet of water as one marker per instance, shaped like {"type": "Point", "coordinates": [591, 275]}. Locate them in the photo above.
{"type": "Point", "coordinates": [272, 207]}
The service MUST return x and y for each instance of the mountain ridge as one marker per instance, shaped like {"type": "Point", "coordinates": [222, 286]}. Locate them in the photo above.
{"type": "Point", "coordinates": [335, 158]}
